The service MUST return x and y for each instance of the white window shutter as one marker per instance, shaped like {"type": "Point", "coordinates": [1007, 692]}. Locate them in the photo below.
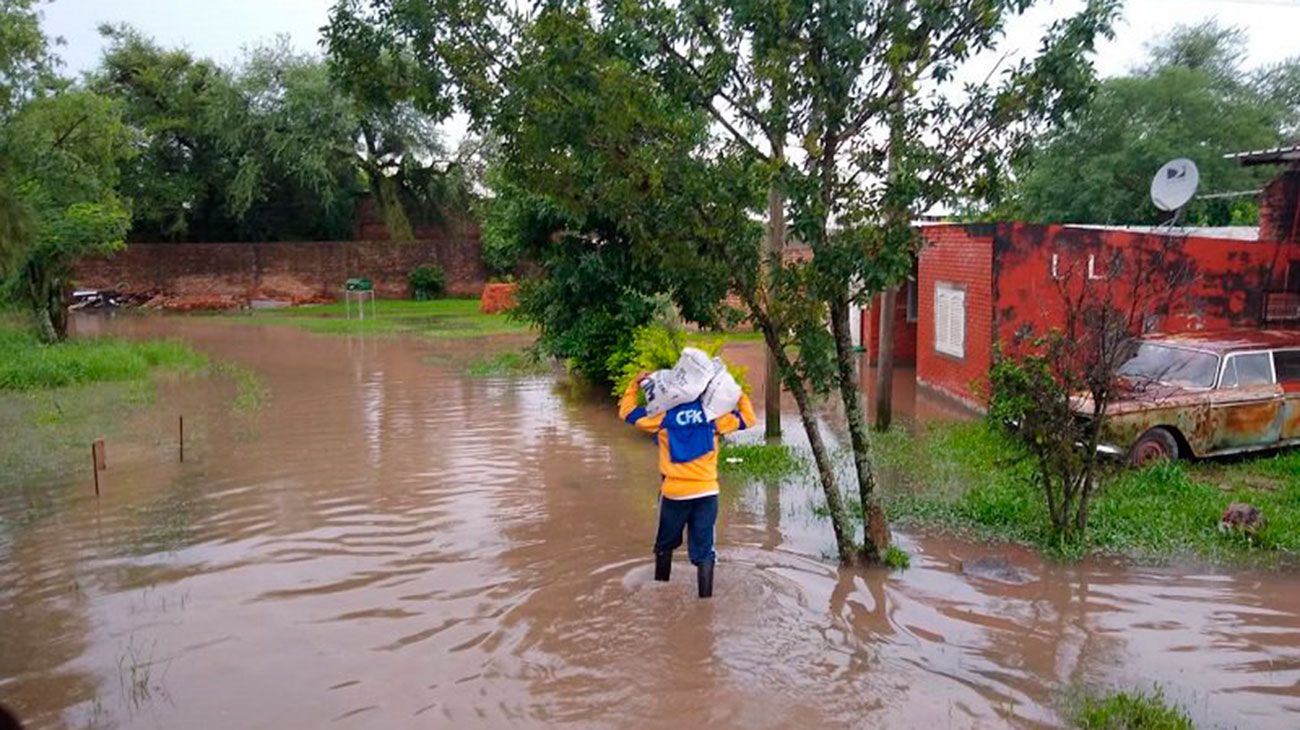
{"type": "Point", "coordinates": [950, 320]}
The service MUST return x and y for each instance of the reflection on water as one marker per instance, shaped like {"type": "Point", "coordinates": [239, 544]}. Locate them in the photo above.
{"type": "Point", "coordinates": [389, 544]}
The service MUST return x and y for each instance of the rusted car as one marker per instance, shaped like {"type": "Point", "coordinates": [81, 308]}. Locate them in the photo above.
{"type": "Point", "coordinates": [1206, 394]}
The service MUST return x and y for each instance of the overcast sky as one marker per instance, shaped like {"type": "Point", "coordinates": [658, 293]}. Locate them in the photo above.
{"type": "Point", "coordinates": [219, 29]}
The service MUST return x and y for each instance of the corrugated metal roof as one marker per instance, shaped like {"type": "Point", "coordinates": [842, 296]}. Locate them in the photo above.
{"type": "Point", "coordinates": [1271, 156]}
{"type": "Point", "coordinates": [1235, 233]}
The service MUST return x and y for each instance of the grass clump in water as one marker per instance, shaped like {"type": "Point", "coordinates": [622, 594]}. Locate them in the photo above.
{"type": "Point", "coordinates": [1129, 711]}
{"type": "Point", "coordinates": [973, 478]}
{"type": "Point", "coordinates": [508, 364]}
{"type": "Point", "coordinates": [896, 558]}
{"type": "Point", "coordinates": [27, 364]}
{"type": "Point", "coordinates": [251, 392]}
{"type": "Point", "coordinates": [764, 462]}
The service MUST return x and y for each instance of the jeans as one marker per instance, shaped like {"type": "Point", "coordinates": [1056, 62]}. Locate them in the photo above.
{"type": "Point", "coordinates": [697, 516]}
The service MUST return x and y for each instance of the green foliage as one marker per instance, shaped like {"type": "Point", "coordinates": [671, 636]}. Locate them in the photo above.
{"type": "Point", "coordinates": [761, 462]}
{"type": "Point", "coordinates": [27, 364]}
{"type": "Point", "coordinates": [896, 558]}
{"type": "Point", "coordinates": [973, 477]}
{"type": "Point", "coordinates": [26, 61]}
{"type": "Point", "coordinates": [1097, 166]}
{"type": "Point", "coordinates": [427, 282]}
{"type": "Point", "coordinates": [658, 347]}
{"type": "Point", "coordinates": [1130, 711]}
{"type": "Point", "coordinates": [274, 147]}
{"type": "Point", "coordinates": [59, 156]}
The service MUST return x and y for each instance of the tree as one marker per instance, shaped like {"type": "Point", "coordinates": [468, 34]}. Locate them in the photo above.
{"type": "Point", "coordinates": [26, 71]}
{"type": "Point", "coordinates": [63, 151]}
{"type": "Point", "coordinates": [26, 62]}
{"type": "Point", "coordinates": [656, 121]}
{"type": "Point", "coordinates": [171, 99]}
{"type": "Point", "coordinates": [1192, 100]}
{"type": "Point", "coordinates": [1054, 393]}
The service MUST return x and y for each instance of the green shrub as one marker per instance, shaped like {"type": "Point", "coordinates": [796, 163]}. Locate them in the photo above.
{"type": "Point", "coordinates": [656, 347]}
{"type": "Point", "coordinates": [427, 282]}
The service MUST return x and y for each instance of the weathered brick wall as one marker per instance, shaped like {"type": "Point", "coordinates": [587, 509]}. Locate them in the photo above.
{"type": "Point", "coordinates": [1229, 277]}
{"type": "Point", "coordinates": [961, 256]}
{"type": "Point", "coordinates": [287, 270]}
{"type": "Point", "coordinates": [904, 331]}
{"type": "Point", "coordinates": [1279, 208]}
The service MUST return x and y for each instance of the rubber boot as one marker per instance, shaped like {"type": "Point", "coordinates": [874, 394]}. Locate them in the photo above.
{"type": "Point", "coordinates": [663, 566]}
{"type": "Point", "coordinates": [706, 579]}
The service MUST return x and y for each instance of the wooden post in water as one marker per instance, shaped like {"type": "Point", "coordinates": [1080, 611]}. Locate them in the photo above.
{"type": "Point", "coordinates": [97, 461]}
{"type": "Point", "coordinates": [181, 440]}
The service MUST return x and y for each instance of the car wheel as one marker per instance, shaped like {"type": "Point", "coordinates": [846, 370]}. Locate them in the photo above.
{"type": "Point", "coordinates": [1156, 445]}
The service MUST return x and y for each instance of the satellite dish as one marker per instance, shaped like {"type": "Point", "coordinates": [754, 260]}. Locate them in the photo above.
{"type": "Point", "coordinates": [1175, 184]}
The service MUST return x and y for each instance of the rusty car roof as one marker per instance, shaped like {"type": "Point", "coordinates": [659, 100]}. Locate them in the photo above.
{"type": "Point", "coordinates": [1224, 341]}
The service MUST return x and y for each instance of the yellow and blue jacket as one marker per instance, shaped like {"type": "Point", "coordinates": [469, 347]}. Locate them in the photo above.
{"type": "Point", "coordinates": [688, 443]}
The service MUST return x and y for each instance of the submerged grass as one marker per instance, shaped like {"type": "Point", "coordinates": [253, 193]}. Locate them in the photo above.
{"type": "Point", "coordinates": [765, 462]}
{"type": "Point", "coordinates": [511, 363]}
{"type": "Point", "coordinates": [251, 392]}
{"type": "Point", "coordinates": [1129, 711]}
{"type": "Point", "coordinates": [440, 318]}
{"type": "Point", "coordinates": [971, 478]}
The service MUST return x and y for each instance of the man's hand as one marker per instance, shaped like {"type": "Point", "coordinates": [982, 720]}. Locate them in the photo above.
{"type": "Point", "coordinates": [641, 376]}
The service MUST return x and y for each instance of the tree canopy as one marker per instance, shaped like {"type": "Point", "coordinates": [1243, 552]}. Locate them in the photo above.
{"type": "Point", "coordinates": [1191, 99]}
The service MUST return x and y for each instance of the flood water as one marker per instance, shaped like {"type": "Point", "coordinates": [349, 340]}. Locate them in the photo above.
{"type": "Point", "coordinates": [389, 544]}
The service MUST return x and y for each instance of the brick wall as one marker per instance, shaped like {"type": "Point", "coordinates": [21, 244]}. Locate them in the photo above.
{"type": "Point", "coordinates": [1229, 276]}
{"type": "Point", "coordinates": [287, 270]}
{"type": "Point", "coordinates": [1279, 206]}
{"type": "Point", "coordinates": [904, 331]}
{"type": "Point", "coordinates": [962, 256]}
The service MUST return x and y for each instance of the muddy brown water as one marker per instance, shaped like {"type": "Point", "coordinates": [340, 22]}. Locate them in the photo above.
{"type": "Point", "coordinates": [389, 544]}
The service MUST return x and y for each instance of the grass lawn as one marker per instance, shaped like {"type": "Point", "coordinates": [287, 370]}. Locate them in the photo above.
{"type": "Point", "coordinates": [970, 478]}
{"type": "Point", "coordinates": [26, 364]}
{"type": "Point", "coordinates": [449, 318]}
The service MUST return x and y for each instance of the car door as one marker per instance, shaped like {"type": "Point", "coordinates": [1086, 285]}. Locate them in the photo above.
{"type": "Point", "coordinates": [1287, 365]}
{"type": "Point", "coordinates": [1247, 405]}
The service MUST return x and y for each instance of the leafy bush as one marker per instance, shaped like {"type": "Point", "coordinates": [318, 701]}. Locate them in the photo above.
{"type": "Point", "coordinates": [656, 347]}
{"type": "Point", "coordinates": [427, 282]}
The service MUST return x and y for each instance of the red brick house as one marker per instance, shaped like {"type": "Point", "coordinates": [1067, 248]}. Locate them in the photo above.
{"type": "Point", "coordinates": [981, 284]}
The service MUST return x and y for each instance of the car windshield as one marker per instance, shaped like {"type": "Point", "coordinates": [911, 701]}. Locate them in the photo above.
{"type": "Point", "coordinates": [1171, 366]}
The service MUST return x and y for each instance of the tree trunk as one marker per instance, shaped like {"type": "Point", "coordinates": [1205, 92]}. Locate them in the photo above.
{"type": "Point", "coordinates": [45, 323]}
{"type": "Point", "coordinates": [875, 528]}
{"type": "Point", "coordinates": [840, 524]}
{"type": "Point", "coordinates": [826, 473]}
{"type": "Point", "coordinates": [775, 245]}
{"type": "Point", "coordinates": [885, 360]}
{"type": "Point", "coordinates": [56, 311]}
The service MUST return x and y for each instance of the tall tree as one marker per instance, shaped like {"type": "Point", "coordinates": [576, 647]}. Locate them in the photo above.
{"type": "Point", "coordinates": [26, 71]}
{"type": "Point", "coordinates": [819, 76]}
{"type": "Point", "coordinates": [65, 150]}
{"type": "Point", "coordinates": [1192, 99]}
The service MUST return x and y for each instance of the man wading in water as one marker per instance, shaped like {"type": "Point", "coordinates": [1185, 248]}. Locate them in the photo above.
{"type": "Point", "coordinates": [688, 463]}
